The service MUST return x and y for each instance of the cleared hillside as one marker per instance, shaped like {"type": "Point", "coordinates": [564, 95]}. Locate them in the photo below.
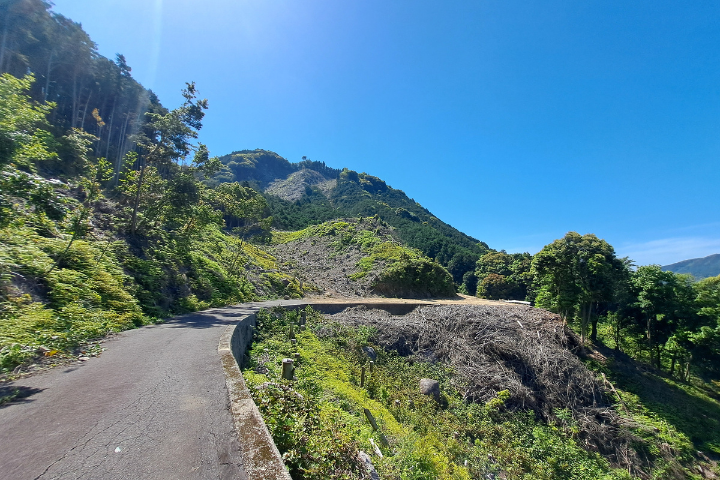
{"type": "Point", "coordinates": [359, 258]}
{"type": "Point", "coordinates": [307, 193]}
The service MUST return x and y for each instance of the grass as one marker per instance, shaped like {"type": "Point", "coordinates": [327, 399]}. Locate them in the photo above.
{"type": "Point", "coordinates": [50, 307]}
{"type": "Point", "coordinates": [690, 409]}
{"type": "Point", "coordinates": [319, 426]}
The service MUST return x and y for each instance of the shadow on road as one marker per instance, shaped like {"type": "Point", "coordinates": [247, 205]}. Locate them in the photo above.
{"type": "Point", "coordinates": [208, 319]}
{"type": "Point", "coordinates": [10, 394]}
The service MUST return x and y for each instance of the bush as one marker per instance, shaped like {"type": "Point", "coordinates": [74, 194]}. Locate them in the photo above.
{"type": "Point", "coordinates": [415, 277]}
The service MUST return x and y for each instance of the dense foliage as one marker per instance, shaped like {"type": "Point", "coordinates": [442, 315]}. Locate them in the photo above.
{"type": "Point", "coordinates": [83, 255]}
{"type": "Point", "coordinates": [501, 275]}
{"type": "Point", "coordinates": [87, 90]}
{"type": "Point", "coordinates": [658, 316]}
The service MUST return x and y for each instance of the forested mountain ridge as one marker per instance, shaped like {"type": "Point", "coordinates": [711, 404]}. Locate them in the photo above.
{"type": "Point", "coordinates": [697, 267]}
{"type": "Point", "coordinates": [298, 200]}
{"type": "Point", "coordinates": [109, 225]}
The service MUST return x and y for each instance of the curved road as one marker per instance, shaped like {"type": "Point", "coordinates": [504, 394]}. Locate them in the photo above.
{"type": "Point", "coordinates": [154, 405]}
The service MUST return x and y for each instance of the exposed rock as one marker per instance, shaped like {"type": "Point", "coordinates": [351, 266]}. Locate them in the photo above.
{"type": "Point", "coordinates": [428, 386]}
{"type": "Point", "coordinates": [370, 352]}
{"type": "Point", "coordinates": [293, 187]}
{"type": "Point", "coordinates": [367, 463]}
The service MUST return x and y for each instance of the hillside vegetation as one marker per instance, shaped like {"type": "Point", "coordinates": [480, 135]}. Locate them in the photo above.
{"type": "Point", "coordinates": [500, 411]}
{"type": "Point", "coordinates": [699, 268]}
{"type": "Point", "coordinates": [113, 216]}
{"type": "Point", "coordinates": [82, 257]}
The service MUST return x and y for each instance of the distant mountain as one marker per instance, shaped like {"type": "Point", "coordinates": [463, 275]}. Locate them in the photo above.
{"type": "Point", "coordinates": [697, 267]}
{"type": "Point", "coordinates": [309, 192]}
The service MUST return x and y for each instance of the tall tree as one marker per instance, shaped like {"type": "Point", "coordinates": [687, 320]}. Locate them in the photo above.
{"type": "Point", "coordinates": [502, 275]}
{"type": "Point", "coordinates": [574, 275]}
{"type": "Point", "coordinates": [665, 301]}
{"type": "Point", "coordinates": [167, 139]}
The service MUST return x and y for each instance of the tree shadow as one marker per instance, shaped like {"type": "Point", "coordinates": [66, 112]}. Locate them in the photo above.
{"type": "Point", "coordinates": [209, 318]}
{"type": "Point", "coordinates": [668, 398]}
{"type": "Point", "coordinates": [10, 394]}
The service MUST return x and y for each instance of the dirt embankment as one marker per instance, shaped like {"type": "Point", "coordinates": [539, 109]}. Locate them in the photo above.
{"type": "Point", "coordinates": [316, 261]}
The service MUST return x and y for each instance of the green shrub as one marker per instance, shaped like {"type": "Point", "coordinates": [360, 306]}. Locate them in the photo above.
{"type": "Point", "coordinates": [412, 277]}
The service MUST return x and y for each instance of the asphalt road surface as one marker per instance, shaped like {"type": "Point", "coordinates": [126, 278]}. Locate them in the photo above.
{"type": "Point", "coordinates": [154, 405]}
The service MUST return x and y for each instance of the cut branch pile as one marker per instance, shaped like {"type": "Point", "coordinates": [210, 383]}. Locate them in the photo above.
{"type": "Point", "coordinates": [524, 350]}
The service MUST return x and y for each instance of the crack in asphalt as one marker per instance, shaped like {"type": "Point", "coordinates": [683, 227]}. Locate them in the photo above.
{"type": "Point", "coordinates": [93, 432]}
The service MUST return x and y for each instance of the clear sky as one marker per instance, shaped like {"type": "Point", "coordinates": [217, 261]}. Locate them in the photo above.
{"type": "Point", "coordinates": [514, 121]}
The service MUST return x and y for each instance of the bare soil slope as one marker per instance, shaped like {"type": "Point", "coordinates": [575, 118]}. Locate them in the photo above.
{"type": "Point", "coordinates": [361, 258]}
{"type": "Point", "coordinates": [316, 261]}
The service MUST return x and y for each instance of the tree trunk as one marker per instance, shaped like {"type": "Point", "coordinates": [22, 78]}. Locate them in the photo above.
{"type": "Point", "coordinates": [47, 76]}
{"type": "Point", "coordinates": [82, 122]}
{"type": "Point", "coordinates": [73, 119]}
{"type": "Point", "coordinates": [136, 203]}
{"type": "Point", "coordinates": [585, 316]}
{"type": "Point", "coordinates": [120, 151]}
{"type": "Point", "coordinates": [98, 144]}
{"type": "Point", "coordinates": [672, 364]}
{"type": "Point", "coordinates": [616, 328]}
{"type": "Point", "coordinates": [593, 323]}
{"type": "Point", "coordinates": [109, 135]}
{"type": "Point", "coordinates": [3, 43]}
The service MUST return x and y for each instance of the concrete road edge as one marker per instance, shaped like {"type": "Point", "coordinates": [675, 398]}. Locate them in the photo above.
{"type": "Point", "coordinates": [262, 460]}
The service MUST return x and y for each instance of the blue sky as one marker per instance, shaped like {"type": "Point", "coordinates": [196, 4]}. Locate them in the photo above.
{"type": "Point", "coordinates": [514, 121]}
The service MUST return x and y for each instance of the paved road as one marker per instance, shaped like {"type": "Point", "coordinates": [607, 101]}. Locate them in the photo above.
{"type": "Point", "coordinates": [154, 406]}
